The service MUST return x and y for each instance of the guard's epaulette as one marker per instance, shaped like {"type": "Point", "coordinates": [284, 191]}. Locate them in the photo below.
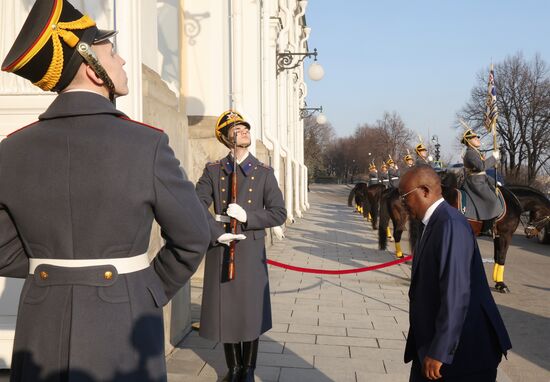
{"type": "Point", "coordinates": [22, 128]}
{"type": "Point", "coordinates": [213, 163]}
{"type": "Point", "coordinates": [140, 123]}
{"type": "Point", "coordinates": [265, 166]}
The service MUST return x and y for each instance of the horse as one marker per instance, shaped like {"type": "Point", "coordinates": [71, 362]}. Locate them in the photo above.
{"type": "Point", "coordinates": [504, 228]}
{"type": "Point", "coordinates": [392, 208]}
{"type": "Point", "coordinates": [367, 199]}
{"type": "Point", "coordinates": [358, 192]}
{"type": "Point", "coordinates": [538, 206]}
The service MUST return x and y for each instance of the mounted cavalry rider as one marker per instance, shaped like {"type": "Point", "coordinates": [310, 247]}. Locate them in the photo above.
{"type": "Point", "coordinates": [393, 173]}
{"type": "Point", "coordinates": [373, 175]}
{"type": "Point", "coordinates": [383, 175]}
{"type": "Point", "coordinates": [476, 183]}
{"type": "Point", "coordinates": [423, 158]}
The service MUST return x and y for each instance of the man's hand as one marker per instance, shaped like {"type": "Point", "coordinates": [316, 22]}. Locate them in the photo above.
{"type": "Point", "coordinates": [237, 212]}
{"type": "Point", "coordinates": [227, 238]}
{"type": "Point", "coordinates": [431, 367]}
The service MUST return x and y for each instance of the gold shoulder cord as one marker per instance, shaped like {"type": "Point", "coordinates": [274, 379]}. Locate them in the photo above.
{"type": "Point", "coordinates": [90, 57]}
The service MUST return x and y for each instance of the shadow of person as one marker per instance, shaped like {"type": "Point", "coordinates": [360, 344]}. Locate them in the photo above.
{"type": "Point", "coordinates": [151, 364]}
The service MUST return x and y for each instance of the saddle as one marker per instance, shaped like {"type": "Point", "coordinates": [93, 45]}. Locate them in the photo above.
{"type": "Point", "coordinates": [465, 205]}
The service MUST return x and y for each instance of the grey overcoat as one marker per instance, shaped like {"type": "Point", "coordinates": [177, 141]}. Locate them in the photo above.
{"type": "Point", "coordinates": [393, 174]}
{"type": "Point", "coordinates": [239, 310]}
{"type": "Point", "coordinates": [85, 182]}
{"type": "Point", "coordinates": [477, 185]}
{"type": "Point", "coordinates": [373, 178]}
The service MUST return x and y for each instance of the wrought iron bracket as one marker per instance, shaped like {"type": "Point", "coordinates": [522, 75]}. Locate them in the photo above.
{"type": "Point", "coordinates": [286, 60]}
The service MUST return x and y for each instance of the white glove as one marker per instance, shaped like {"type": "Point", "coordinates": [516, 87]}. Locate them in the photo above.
{"type": "Point", "coordinates": [496, 155]}
{"type": "Point", "coordinates": [227, 238]}
{"type": "Point", "coordinates": [237, 212]}
{"type": "Point", "coordinates": [430, 158]}
{"type": "Point", "coordinates": [278, 232]}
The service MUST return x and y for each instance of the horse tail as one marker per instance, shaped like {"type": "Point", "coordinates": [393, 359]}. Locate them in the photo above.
{"type": "Point", "coordinates": [384, 220]}
{"type": "Point", "coordinates": [351, 195]}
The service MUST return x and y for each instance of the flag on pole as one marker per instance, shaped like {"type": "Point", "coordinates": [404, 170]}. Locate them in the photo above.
{"type": "Point", "coordinates": [491, 112]}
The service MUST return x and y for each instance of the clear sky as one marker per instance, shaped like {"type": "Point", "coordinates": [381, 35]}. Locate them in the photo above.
{"type": "Point", "coordinates": [419, 58]}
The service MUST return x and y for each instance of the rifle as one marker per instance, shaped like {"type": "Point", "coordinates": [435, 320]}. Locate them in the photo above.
{"type": "Point", "coordinates": [233, 223]}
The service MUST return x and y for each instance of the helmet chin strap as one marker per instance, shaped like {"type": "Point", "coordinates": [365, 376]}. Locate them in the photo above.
{"type": "Point", "coordinates": [88, 54]}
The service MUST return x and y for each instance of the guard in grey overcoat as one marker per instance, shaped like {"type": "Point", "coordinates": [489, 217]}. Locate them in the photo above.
{"type": "Point", "coordinates": [476, 182]}
{"type": "Point", "coordinates": [373, 175]}
{"type": "Point", "coordinates": [383, 175]}
{"type": "Point", "coordinates": [422, 156]}
{"type": "Point", "coordinates": [238, 311]}
{"type": "Point", "coordinates": [393, 173]}
{"type": "Point", "coordinates": [79, 190]}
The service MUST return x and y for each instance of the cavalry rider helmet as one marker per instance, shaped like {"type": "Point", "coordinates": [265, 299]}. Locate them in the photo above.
{"type": "Point", "coordinates": [390, 162]}
{"type": "Point", "coordinates": [467, 136]}
{"type": "Point", "coordinates": [52, 44]}
{"type": "Point", "coordinates": [407, 157]}
{"type": "Point", "coordinates": [227, 120]}
{"type": "Point", "coordinates": [372, 167]}
{"type": "Point", "coordinates": [383, 166]}
{"type": "Point", "coordinates": [419, 148]}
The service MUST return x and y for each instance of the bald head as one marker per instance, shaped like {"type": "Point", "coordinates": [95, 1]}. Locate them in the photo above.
{"type": "Point", "coordinates": [420, 187]}
{"type": "Point", "coordinates": [423, 175]}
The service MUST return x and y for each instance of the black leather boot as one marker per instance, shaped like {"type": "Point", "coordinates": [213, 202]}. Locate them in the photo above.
{"type": "Point", "coordinates": [487, 227]}
{"type": "Point", "coordinates": [250, 354]}
{"type": "Point", "coordinates": [234, 360]}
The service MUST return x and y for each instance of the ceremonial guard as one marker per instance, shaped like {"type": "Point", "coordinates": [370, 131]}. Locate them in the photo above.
{"type": "Point", "coordinates": [373, 175]}
{"type": "Point", "coordinates": [408, 159]}
{"type": "Point", "coordinates": [79, 190]}
{"type": "Point", "coordinates": [383, 175]}
{"type": "Point", "coordinates": [422, 157]}
{"type": "Point", "coordinates": [236, 311]}
{"type": "Point", "coordinates": [393, 173]}
{"type": "Point", "coordinates": [476, 182]}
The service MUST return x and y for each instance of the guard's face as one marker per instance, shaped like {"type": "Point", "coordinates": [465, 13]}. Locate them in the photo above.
{"type": "Point", "coordinates": [113, 65]}
{"type": "Point", "coordinates": [409, 162]}
{"type": "Point", "coordinates": [243, 135]}
{"type": "Point", "coordinates": [475, 142]}
{"type": "Point", "coordinates": [424, 154]}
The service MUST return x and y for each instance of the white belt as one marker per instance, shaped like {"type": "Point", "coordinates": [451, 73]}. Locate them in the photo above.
{"type": "Point", "coordinates": [123, 265]}
{"type": "Point", "coordinates": [395, 178]}
{"type": "Point", "coordinates": [479, 173]}
{"type": "Point", "coordinates": [222, 218]}
{"type": "Point", "coordinates": [373, 178]}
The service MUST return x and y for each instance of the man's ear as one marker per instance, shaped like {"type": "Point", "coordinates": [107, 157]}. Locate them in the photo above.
{"type": "Point", "coordinates": [93, 76]}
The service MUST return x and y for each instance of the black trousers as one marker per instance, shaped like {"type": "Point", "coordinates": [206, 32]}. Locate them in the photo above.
{"type": "Point", "coordinates": [482, 376]}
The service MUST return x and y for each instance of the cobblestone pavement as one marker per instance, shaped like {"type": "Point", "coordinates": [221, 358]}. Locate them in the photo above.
{"type": "Point", "coordinates": [326, 328]}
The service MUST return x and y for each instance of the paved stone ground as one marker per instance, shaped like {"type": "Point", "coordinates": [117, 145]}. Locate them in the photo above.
{"type": "Point", "coordinates": [326, 328]}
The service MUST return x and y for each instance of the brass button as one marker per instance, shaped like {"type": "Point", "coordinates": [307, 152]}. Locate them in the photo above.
{"type": "Point", "coordinates": [249, 190]}
{"type": "Point", "coordinates": [223, 189]}
{"type": "Point", "coordinates": [223, 201]}
{"type": "Point", "coordinates": [249, 201]}
{"type": "Point", "coordinates": [223, 178]}
{"type": "Point", "coordinates": [43, 275]}
{"type": "Point", "coordinates": [252, 177]}
{"type": "Point", "coordinates": [108, 275]}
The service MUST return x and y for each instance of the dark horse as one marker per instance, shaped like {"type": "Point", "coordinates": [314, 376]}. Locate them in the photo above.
{"type": "Point", "coordinates": [367, 199]}
{"type": "Point", "coordinates": [538, 206]}
{"type": "Point", "coordinates": [392, 208]}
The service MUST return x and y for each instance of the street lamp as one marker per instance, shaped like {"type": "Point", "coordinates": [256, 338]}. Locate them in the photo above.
{"type": "Point", "coordinates": [285, 61]}
{"type": "Point", "coordinates": [435, 140]}
{"type": "Point", "coordinates": [306, 112]}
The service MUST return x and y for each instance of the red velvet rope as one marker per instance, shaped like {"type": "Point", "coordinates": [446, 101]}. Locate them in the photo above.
{"type": "Point", "coordinates": [338, 272]}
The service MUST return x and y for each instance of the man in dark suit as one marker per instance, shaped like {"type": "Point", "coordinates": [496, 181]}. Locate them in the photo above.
{"type": "Point", "coordinates": [79, 190]}
{"type": "Point", "coordinates": [456, 332]}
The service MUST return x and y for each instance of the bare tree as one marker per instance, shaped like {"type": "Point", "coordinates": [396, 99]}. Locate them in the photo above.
{"type": "Point", "coordinates": [523, 101]}
{"type": "Point", "coordinates": [317, 139]}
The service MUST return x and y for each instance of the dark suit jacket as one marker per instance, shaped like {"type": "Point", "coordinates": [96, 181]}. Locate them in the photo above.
{"type": "Point", "coordinates": [453, 317]}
